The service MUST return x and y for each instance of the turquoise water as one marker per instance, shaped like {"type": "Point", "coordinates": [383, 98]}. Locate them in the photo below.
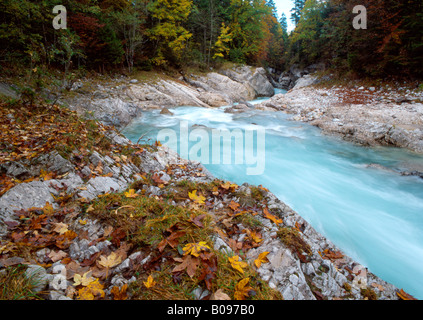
{"type": "Point", "coordinates": [374, 216]}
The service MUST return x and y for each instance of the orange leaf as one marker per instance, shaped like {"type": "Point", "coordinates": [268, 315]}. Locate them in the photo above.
{"type": "Point", "coordinates": [233, 205]}
{"type": "Point", "coordinates": [262, 258]}
{"type": "Point", "coordinates": [404, 295]}
{"type": "Point", "coordinates": [271, 217]}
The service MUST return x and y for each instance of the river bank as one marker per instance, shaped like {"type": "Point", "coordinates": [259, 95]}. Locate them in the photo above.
{"type": "Point", "coordinates": [91, 191]}
{"type": "Point", "coordinates": [368, 116]}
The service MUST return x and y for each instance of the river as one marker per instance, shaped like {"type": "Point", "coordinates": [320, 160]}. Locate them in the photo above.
{"type": "Point", "coordinates": [375, 216]}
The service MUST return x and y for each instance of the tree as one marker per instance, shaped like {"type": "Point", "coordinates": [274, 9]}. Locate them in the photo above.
{"type": "Point", "coordinates": [129, 24]}
{"type": "Point", "coordinates": [296, 11]}
{"type": "Point", "coordinates": [168, 33]}
{"type": "Point", "coordinates": [221, 46]}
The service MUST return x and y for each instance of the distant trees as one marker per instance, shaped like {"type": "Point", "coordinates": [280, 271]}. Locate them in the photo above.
{"type": "Point", "coordinates": [391, 44]}
{"type": "Point", "coordinates": [106, 34]}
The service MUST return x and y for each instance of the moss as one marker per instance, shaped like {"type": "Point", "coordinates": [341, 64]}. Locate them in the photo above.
{"type": "Point", "coordinates": [368, 294]}
{"type": "Point", "coordinates": [293, 240]}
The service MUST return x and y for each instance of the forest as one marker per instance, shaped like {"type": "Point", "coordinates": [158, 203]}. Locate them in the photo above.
{"type": "Point", "coordinates": [106, 35]}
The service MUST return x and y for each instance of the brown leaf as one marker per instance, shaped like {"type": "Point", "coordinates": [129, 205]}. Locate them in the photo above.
{"type": "Point", "coordinates": [56, 256]}
{"type": "Point", "coordinates": [197, 220]}
{"type": "Point", "coordinates": [189, 263]}
{"type": "Point", "coordinates": [119, 294]}
{"type": "Point", "coordinates": [172, 240]}
{"type": "Point", "coordinates": [219, 295]}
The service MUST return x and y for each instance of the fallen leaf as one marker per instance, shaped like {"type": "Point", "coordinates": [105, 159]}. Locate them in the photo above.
{"type": "Point", "coordinates": [56, 256]}
{"type": "Point", "coordinates": [48, 209]}
{"type": "Point", "coordinates": [92, 291]}
{"type": "Point", "coordinates": [60, 228]}
{"type": "Point", "coordinates": [237, 263]}
{"type": "Point", "coordinates": [195, 248]}
{"type": "Point", "coordinates": [85, 280]}
{"type": "Point", "coordinates": [189, 263]}
{"type": "Point", "coordinates": [197, 220]}
{"type": "Point", "coordinates": [119, 294]}
{"type": "Point", "coordinates": [242, 290]}
{"type": "Point", "coordinates": [255, 236]}
{"type": "Point", "coordinates": [404, 295]}
{"type": "Point", "coordinates": [150, 282]}
{"type": "Point", "coordinates": [233, 205]}
{"type": "Point", "coordinates": [271, 217]}
{"type": "Point", "coordinates": [219, 295]}
{"type": "Point", "coordinates": [196, 198]}
{"type": "Point", "coordinates": [262, 258]}
{"type": "Point", "coordinates": [131, 194]}
{"type": "Point", "coordinates": [111, 261]}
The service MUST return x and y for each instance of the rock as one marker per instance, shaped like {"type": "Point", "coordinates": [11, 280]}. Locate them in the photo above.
{"type": "Point", "coordinates": [256, 78]}
{"type": "Point", "coordinates": [100, 185]}
{"type": "Point", "coordinates": [233, 91]}
{"type": "Point", "coordinates": [305, 81]}
{"type": "Point", "coordinates": [23, 196]}
{"type": "Point", "coordinates": [58, 283]}
{"type": "Point", "coordinates": [238, 108]}
{"type": "Point", "coordinates": [38, 276]}
{"type": "Point", "coordinates": [213, 99]}
{"type": "Point", "coordinates": [166, 111]}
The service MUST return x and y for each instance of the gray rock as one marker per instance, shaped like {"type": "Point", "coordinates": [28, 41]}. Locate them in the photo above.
{"type": "Point", "coordinates": [38, 277]}
{"type": "Point", "coordinates": [100, 185]}
{"type": "Point", "coordinates": [58, 283]}
{"type": "Point", "coordinates": [23, 196]}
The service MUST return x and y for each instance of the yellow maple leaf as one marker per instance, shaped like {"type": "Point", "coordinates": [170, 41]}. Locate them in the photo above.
{"type": "Point", "coordinates": [242, 289]}
{"type": "Point", "coordinates": [196, 198]}
{"type": "Point", "coordinates": [195, 248]}
{"type": "Point", "coordinates": [131, 194]}
{"type": "Point", "coordinates": [255, 236]}
{"type": "Point", "coordinates": [227, 185]}
{"type": "Point", "coordinates": [150, 282]}
{"type": "Point", "coordinates": [84, 280]}
{"type": "Point", "coordinates": [262, 258]}
{"type": "Point", "coordinates": [92, 291]}
{"type": "Point", "coordinates": [237, 263]}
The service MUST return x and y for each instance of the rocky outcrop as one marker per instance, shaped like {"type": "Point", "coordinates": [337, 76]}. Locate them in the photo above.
{"type": "Point", "coordinates": [364, 116]}
{"type": "Point", "coordinates": [119, 101]}
{"type": "Point", "coordinates": [294, 76]}
{"type": "Point", "coordinates": [256, 78]}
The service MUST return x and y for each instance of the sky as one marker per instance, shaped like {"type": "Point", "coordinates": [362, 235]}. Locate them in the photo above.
{"type": "Point", "coordinates": [285, 6]}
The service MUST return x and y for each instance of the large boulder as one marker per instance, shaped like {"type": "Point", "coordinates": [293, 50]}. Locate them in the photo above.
{"type": "Point", "coordinates": [256, 78]}
{"type": "Point", "coordinates": [231, 90]}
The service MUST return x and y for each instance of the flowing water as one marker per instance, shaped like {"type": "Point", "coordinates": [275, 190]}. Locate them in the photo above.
{"type": "Point", "coordinates": [375, 216]}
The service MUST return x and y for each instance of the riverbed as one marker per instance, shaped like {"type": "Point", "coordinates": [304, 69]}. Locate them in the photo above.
{"type": "Point", "coordinates": [373, 215]}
